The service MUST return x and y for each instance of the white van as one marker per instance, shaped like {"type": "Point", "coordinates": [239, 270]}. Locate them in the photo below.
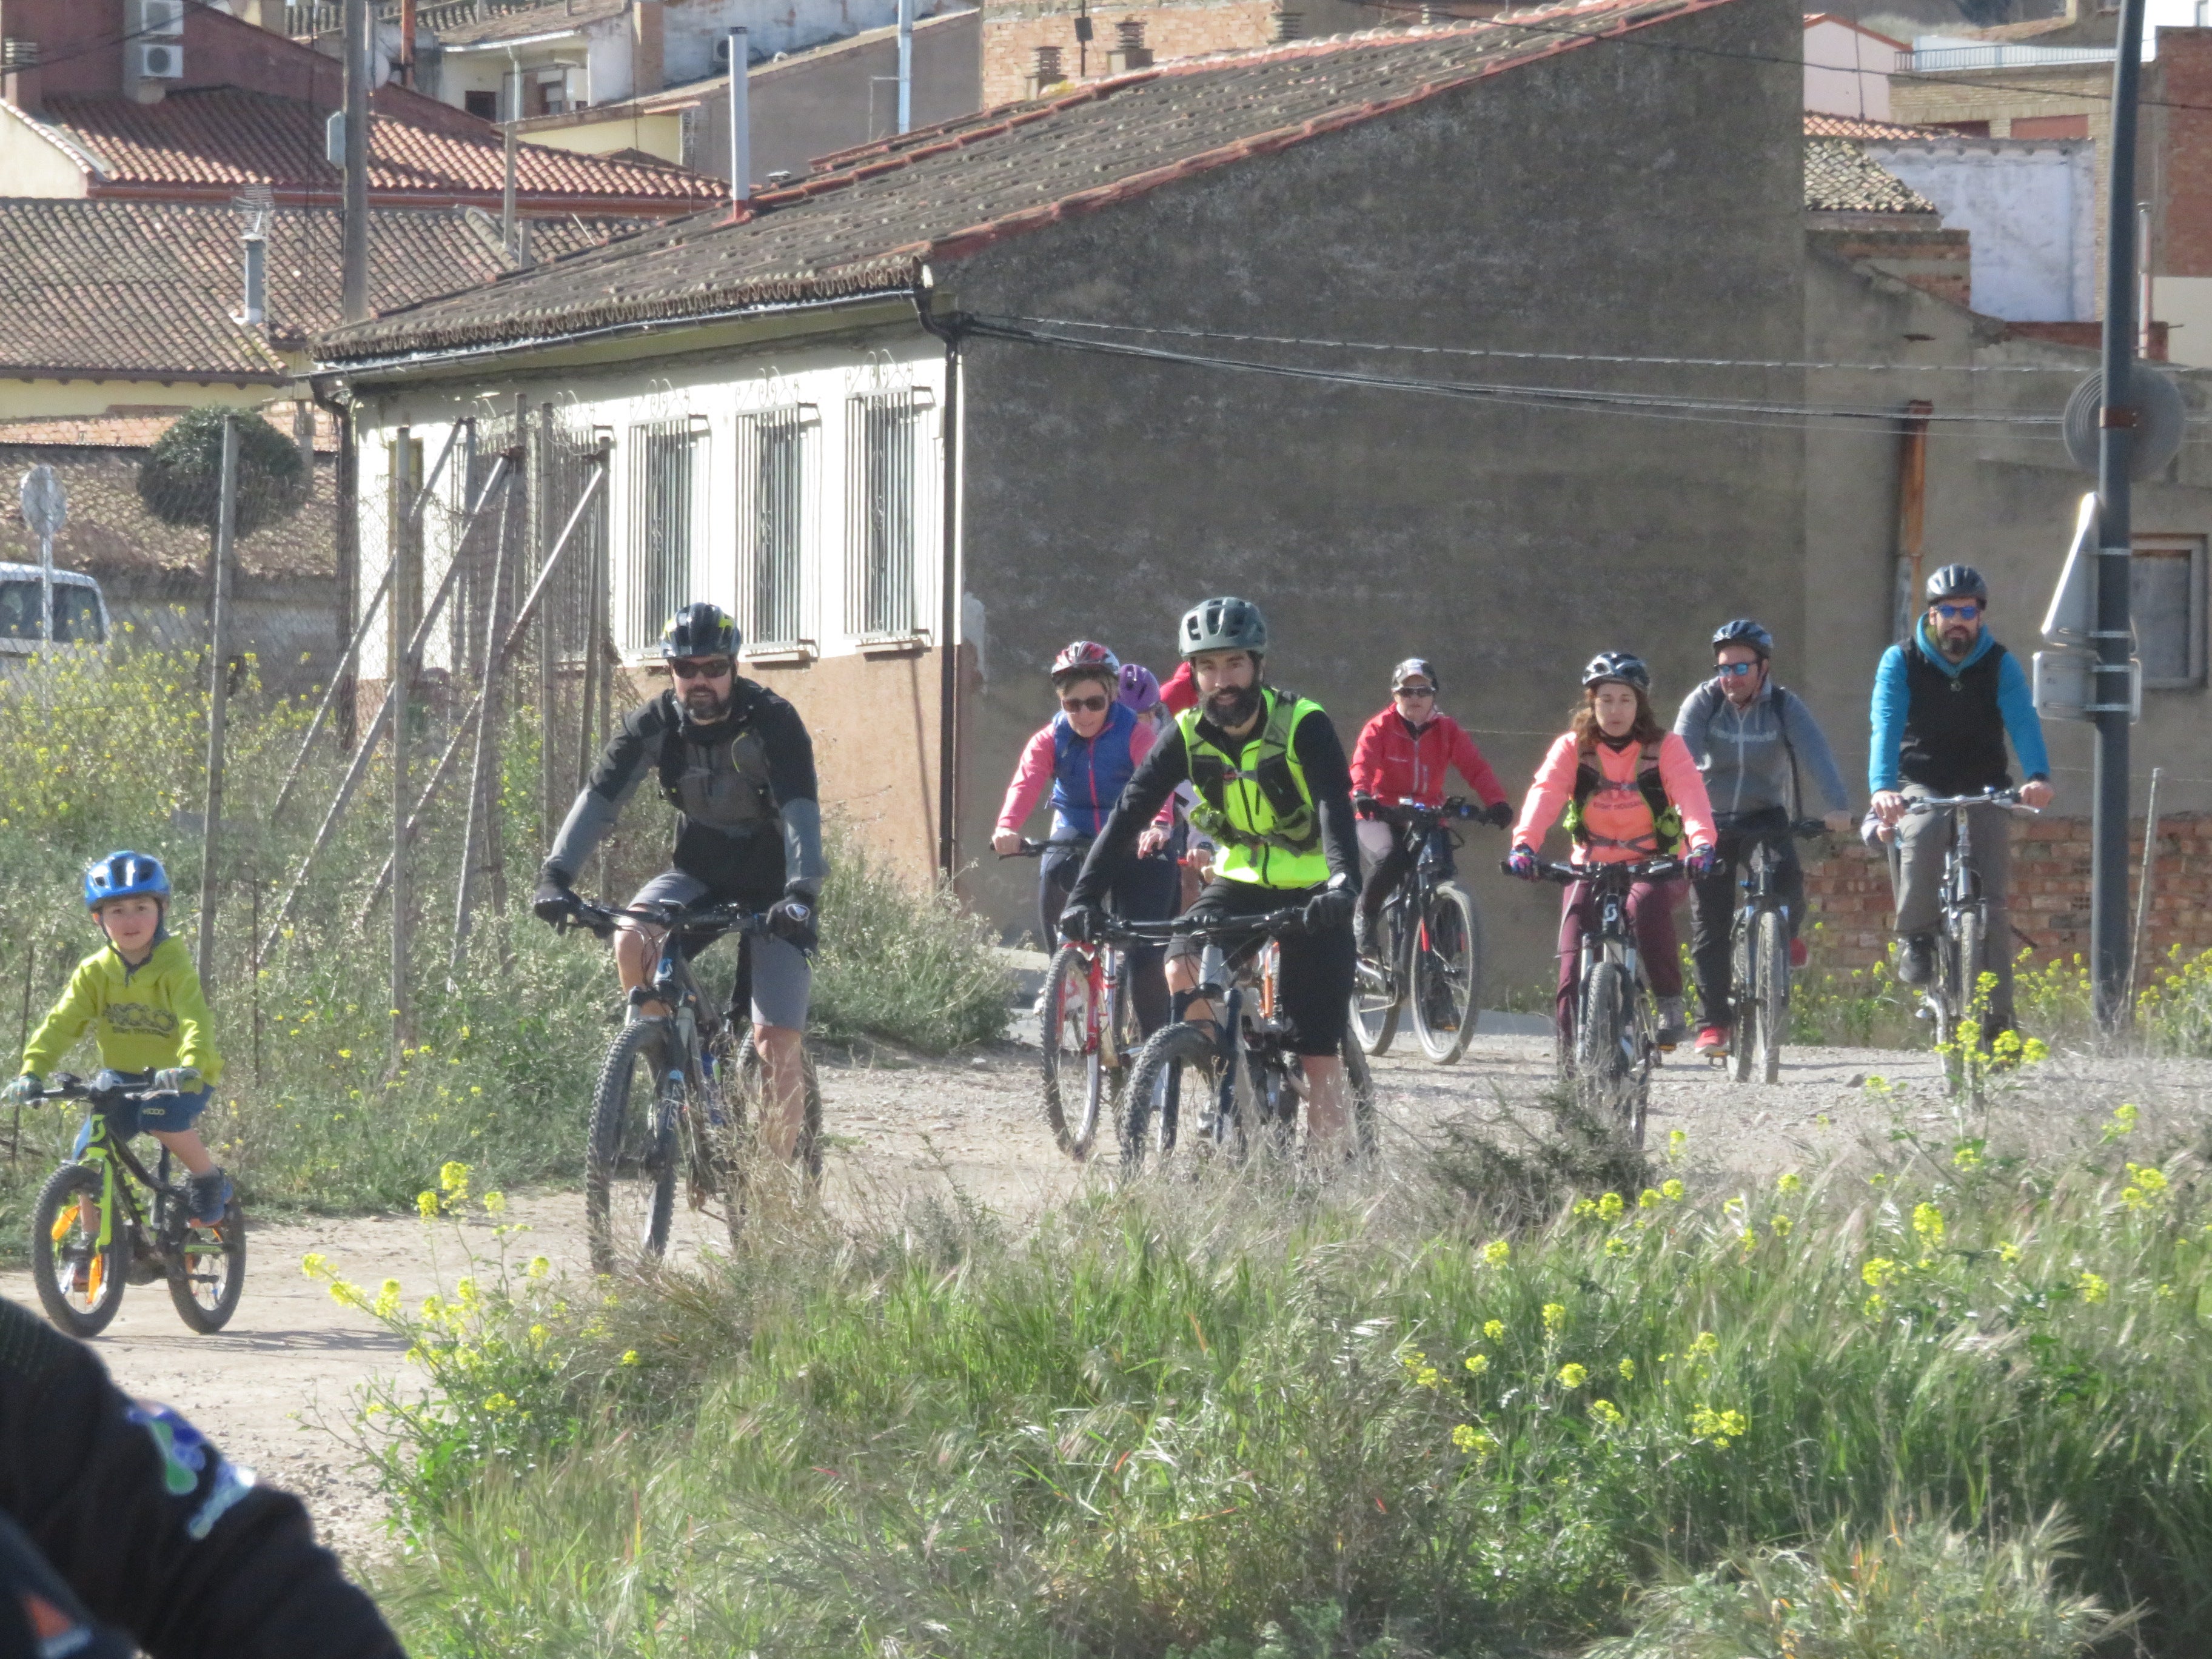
{"type": "Point", "coordinates": [80, 611]}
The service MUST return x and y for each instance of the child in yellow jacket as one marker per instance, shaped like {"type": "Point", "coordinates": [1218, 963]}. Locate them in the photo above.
{"type": "Point", "coordinates": [143, 994]}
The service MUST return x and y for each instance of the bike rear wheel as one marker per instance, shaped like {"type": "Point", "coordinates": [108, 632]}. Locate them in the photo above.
{"type": "Point", "coordinates": [1067, 1037]}
{"type": "Point", "coordinates": [1771, 955]}
{"type": "Point", "coordinates": [1743, 1012]}
{"type": "Point", "coordinates": [1957, 1027]}
{"type": "Point", "coordinates": [1378, 985]}
{"type": "Point", "coordinates": [1359, 1088]}
{"type": "Point", "coordinates": [1179, 1070]}
{"type": "Point", "coordinates": [1446, 992]}
{"type": "Point", "coordinates": [63, 1239]}
{"type": "Point", "coordinates": [206, 1266]}
{"type": "Point", "coordinates": [630, 1167]}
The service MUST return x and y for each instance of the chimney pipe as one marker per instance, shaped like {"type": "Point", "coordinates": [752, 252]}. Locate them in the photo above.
{"type": "Point", "coordinates": [906, 65]}
{"type": "Point", "coordinates": [741, 135]}
{"type": "Point", "coordinates": [256, 280]}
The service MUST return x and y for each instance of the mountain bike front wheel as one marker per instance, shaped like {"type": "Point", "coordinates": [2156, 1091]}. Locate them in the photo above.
{"type": "Point", "coordinates": [1447, 973]}
{"type": "Point", "coordinates": [1744, 999]}
{"type": "Point", "coordinates": [629, 1165]}
{"type": "Point", "coordinates": [1178, 1071]}
{"type": "Point", "coordinates": [206, 1267]}
{"type": "Point", "coordinates": [80, 1284]}
{"type": "Point", "coordinates": [1087, 1033]}
{"type": "Point", "coordinates": [1956, 1028]}
{"type": "Point", "coordinates": [1771, 1013]}
{"type": "Point", "coordinates": [1379, 987]}
{"type": "Point", "coordinates": [1607, 1078]}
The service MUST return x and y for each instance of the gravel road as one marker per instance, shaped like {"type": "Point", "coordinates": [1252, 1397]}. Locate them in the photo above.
{"type": "Point", "coordinates": [270, 1388]}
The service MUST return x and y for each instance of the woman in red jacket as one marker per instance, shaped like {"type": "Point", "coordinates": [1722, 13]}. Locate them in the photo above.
{"type": "Point", "coordinates": [1401, 761]}
{"type": "Point", "coordinates": [1632, 792]}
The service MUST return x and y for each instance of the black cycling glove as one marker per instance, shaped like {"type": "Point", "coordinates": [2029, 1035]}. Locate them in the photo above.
{"type": "Point", "coordinates": [1499, 816]}
{"type": "Point", "coordinates": [553, 902]}
{"type": "Point", "coordinates": [1083, 923]}
{"type": "Point", "coordinates": [795, 920]}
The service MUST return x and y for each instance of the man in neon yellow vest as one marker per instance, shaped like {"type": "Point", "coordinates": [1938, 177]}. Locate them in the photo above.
{"type": "Point", "coordinates": [1275, 794]}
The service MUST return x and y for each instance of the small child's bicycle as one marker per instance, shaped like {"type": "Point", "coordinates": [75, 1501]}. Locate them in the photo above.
{"type": "Point", "coordinates": [103, 1222]}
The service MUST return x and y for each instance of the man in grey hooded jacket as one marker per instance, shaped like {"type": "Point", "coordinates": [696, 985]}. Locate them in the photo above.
{"type": "Point", "coordinates": [1750, 736]}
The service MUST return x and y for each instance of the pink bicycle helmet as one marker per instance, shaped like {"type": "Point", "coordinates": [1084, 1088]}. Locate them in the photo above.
{"type": "Point", "coordinates": [1088, 657]}
{"type": "Point", "coordinates": [1140, 688]}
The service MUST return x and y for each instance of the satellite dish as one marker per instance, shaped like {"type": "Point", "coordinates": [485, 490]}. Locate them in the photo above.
{"type": "Point", "coordinates": [2072, 616]}
{"type": "Point", "coordinates": [2160, 420]}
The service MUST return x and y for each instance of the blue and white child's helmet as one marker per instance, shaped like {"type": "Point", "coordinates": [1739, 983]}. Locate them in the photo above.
{"type": "Point", "coordinates": [124, 875]}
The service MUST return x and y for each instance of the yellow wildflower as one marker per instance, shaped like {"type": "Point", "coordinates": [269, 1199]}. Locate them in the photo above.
{"type": "Point", "coordinates": [1671, 1190]}
{"type": "Point", "coordinates": [1573, 1375]}
{"type": "Point", "coordinates": [1789, 1181]}
{"type": "Point", "coordinates": [425, 1204]}
{"type": "Point", "coordinates": [495, 1203]}
{"type": "Point", "coordinates": [1496, 1253]}
{"type": "Point", "coordinates": [629, 1357]}
{"type": "Point", "coordinates": [1720, 1427]}
{"type": "Point", "coordinates": [1470, 1439]}
{"type": "Point", "coordinates": [2093, 1287]}
{"type": "Point", "coordinates": [1604, 1411]}
{"type": "Point", "coordinates": [387, 1299]}
{"type": "Point", "coordinates": [1477, 1364]}
{"type": "Point", "coordinates": [1928, 1225]}
{"type": "Point", "coordinates": [1610, 1206]}
{"type": "Point", "coordinates": [1627, 1369]}
{"type": "Point", "coordinates": [1555, 1316]}
{"type": "Point", "coordinates": [1494, 1328]}
{"type": "Point", "coordinates": [1647, 1199]}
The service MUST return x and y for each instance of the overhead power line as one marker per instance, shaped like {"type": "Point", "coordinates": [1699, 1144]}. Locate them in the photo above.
{"type": "Point", "coordinates": [1648, 405]}
{"type": "Point", "coordinates": [1550, 357]}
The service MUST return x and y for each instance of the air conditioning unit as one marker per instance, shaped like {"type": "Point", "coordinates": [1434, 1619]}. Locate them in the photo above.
{"type": "Point", "coordinates": [157, 60]}
{"type": "Point", "coordinates": [158, 18]}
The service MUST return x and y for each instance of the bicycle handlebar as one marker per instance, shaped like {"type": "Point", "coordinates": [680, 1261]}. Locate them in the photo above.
{"type": "Point", "coordinates": [601, 919]}
{"type": "Point", "coordinates": [1120, 932]}
{"type": "Point", "coordinates": [67, 1085]}
{"type": "Point", "coordinates": [2008, 799]}
{"type": "Point", "coordinates": [1034, 849]}
{"type": "Point", "coordinates": [1627, 870]}
{"type": "Point", "coordinates": [1456, 806]}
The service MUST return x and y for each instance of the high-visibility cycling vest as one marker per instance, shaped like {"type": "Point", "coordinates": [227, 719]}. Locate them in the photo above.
{"type": "Point", "coordinates": [1255, 803]}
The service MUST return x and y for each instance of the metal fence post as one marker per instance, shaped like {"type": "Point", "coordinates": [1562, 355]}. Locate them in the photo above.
{"type": "Point", "coordinates": [226, 525]}
{"type": "Point", "coordinates": [483, 794]}
{"type": "Point", "coordinates": [405, 561]}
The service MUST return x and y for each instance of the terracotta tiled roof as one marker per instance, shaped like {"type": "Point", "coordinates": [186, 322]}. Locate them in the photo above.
{"type": "Point", "coordinates": [1840, 177]}
{"type": "Point", "coordinates": [145, 289]}
{"type": "Point", "coordinates": [207, 143]}
{"type": "Point", "coordinates": [866, 221]}
{"type": "Point", "coordinates": [114, 431]}
{"type": "Point", "coordinates": [539, 20]}
{"type": "Point", "coordinates": [1857, 127]}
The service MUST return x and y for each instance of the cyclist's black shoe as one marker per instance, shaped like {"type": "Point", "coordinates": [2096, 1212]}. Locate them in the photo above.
{"type": "Point", "coordinates": [210, 1197]}
{"type": "Point", "coordinates": [1916, 960]}
{"type": "Point", "coordinates": [1673, 1022]}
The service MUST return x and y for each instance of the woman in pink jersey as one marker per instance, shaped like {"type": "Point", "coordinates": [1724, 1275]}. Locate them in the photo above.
{"type": "Point", "coordinates": [1630, 790]}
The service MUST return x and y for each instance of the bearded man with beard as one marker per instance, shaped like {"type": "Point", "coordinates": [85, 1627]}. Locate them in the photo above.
{"type": "Point", "coordinates": [1944, 703]}
{"type": "Point", "coordinates": [1275, 794]}
{"type": "Point", "coordinates": [736, 763]}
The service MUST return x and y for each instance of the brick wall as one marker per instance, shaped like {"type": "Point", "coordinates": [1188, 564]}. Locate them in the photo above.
{"type": "Point", "coordinates": [1013, 34]}
{"type": "Point", "coordinates": [1936, 261]}
{"type": "Point", "coordinates": [1849, 894]}
{"type": "Point", "coordinates": [2184, 179]}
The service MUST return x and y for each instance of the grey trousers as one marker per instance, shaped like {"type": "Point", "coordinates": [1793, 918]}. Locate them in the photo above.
{"type": "Point", "coordinates": [1916, 867]}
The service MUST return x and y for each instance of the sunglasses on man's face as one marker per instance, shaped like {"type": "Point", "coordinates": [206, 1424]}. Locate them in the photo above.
{"type": "Point", "coordinates": [1735, 670]}
{"type": "Point", "coordinates": [1958, 612]}
{"type": "Point", "coordinates": [1090, 705]}
{"type": "Point", "coordinates": [1411, 691]}
{"type": "Point", "coordinates": [701, 671]}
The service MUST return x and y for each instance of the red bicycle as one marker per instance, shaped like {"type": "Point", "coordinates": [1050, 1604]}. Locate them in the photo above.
{"type": "Point", "coordinates": [1087, 1027]}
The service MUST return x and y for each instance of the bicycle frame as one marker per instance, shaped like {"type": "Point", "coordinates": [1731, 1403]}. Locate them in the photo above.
{"type": "Point", "coordinates": [100, 1146]}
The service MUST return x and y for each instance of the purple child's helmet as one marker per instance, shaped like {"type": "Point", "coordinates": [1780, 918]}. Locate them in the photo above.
{"type": "Point", "coordinates": [1140, 688]}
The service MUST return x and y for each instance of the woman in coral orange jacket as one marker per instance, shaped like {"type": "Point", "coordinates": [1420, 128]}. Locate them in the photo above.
{"type": "Point", "coordinates": [1629, 790]}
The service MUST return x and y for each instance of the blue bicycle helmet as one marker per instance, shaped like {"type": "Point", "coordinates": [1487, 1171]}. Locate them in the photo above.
{"type": "Point", "coordinates": [1744, 631]}
{"type": "Point", "coordinates": [124, 875]}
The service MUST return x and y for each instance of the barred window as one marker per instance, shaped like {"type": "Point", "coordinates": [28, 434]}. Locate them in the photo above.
{"type": "Point", "coordinates": [774, 450]}
{"type": "Point", "coordinates": [887, 495]}
{"type": "Point", "coordinates": [664, 507]}
{"type": "Point", "coordinates": [2166, 577]}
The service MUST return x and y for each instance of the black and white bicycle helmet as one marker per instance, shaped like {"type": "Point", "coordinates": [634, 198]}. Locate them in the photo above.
{"type": "Point", "coordinates": [700, 629]}
{"type": "Point", "coordinates": [1958, 581]}
{"type": "Point", "coordinates": [1623, 667]}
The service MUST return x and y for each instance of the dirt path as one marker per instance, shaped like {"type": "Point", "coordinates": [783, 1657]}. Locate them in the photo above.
{"type": "Point", "coordinates": [269, 1388]}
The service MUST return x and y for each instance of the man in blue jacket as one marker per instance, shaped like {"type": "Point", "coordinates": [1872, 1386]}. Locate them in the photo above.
{"type": "Point", "coordinates": [1943, 706]}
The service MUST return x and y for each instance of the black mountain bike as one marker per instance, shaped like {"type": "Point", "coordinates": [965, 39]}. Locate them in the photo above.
{"type": "Point", "coordinates": [1952, 998]}
{"type": "Point", "coordinates": [1087, 1028]}
{"type": "Point", "coordinates": [1425, 954]}
{"type": "Point", "coordinates": [1759, 959]}
{"type": "Point", "coordinates": [103, 1222]}
{"type": "Point", "coordinates": [1236, 1075]}
{"type": "Point", "coordinates": [1616, 1042]}
{"type": "Point", "coordinates": [677, 1093]}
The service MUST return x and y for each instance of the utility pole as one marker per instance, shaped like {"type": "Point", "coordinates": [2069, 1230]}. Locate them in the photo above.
{"type": "Point", "coordinates": [906, 65]}
{"type": "Point", "coordinates": [353, 256]}
{"type": "Point", "coordinates": [2111, 680]}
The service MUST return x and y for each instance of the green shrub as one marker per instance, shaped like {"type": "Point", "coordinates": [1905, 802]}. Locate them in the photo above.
{"type": "Point", "coordinates": [1180, 1413]}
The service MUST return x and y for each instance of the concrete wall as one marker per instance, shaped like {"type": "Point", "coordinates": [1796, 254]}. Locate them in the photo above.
{"type": "Point", "coordinates": [2029, 206]}
{"type": "Point", "coordinates": [1014, 29]}
{"type": "Point", "coordinates": [692, 29]}
{"type": "Point", "coordinates": [1847, 69]}
{"type": "Point", "coordinates": [838, 96]}
{"type": "Point", "coordinates": [1104, 497]}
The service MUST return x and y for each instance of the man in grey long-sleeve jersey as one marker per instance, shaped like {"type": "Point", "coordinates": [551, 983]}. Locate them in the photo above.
{"type": "Point", "coordinates": [735, 762]}
{"type": "Point", "coordinates": [1749, 735]}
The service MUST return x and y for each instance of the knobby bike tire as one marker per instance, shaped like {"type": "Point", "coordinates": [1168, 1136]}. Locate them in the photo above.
{"type": "Point", "coordinates": [1743, 1002]}
{"type": "Point", "coordinates": [629, 1164]}
{"type": "Point", "coordinates": [739, 1107]}
{"type": "Point", "coordinates": [1110, 1084]}
{"type": "Point", "coordinates": [1963, 1069]}
{"type": "Point", "coordinates": [53, 1260]}
{"type": "Point", "coordinates": [1606, 1076]}
{"type": "Point", "coordinates": [1375, 1008]}
{"type": "Point", "coordinates": [1359, 1085]}
{"type": "Point", "coordinates": [1179, 1070]}
{"type": "Point", "coordinates": [1771, 954]}
{"type": "Point", "coordinates": [205, 1266]}
{"type": "Point", "coordinates": [1446, 992]}
{"type": "Point", "coordinates": [1064, 1035]}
